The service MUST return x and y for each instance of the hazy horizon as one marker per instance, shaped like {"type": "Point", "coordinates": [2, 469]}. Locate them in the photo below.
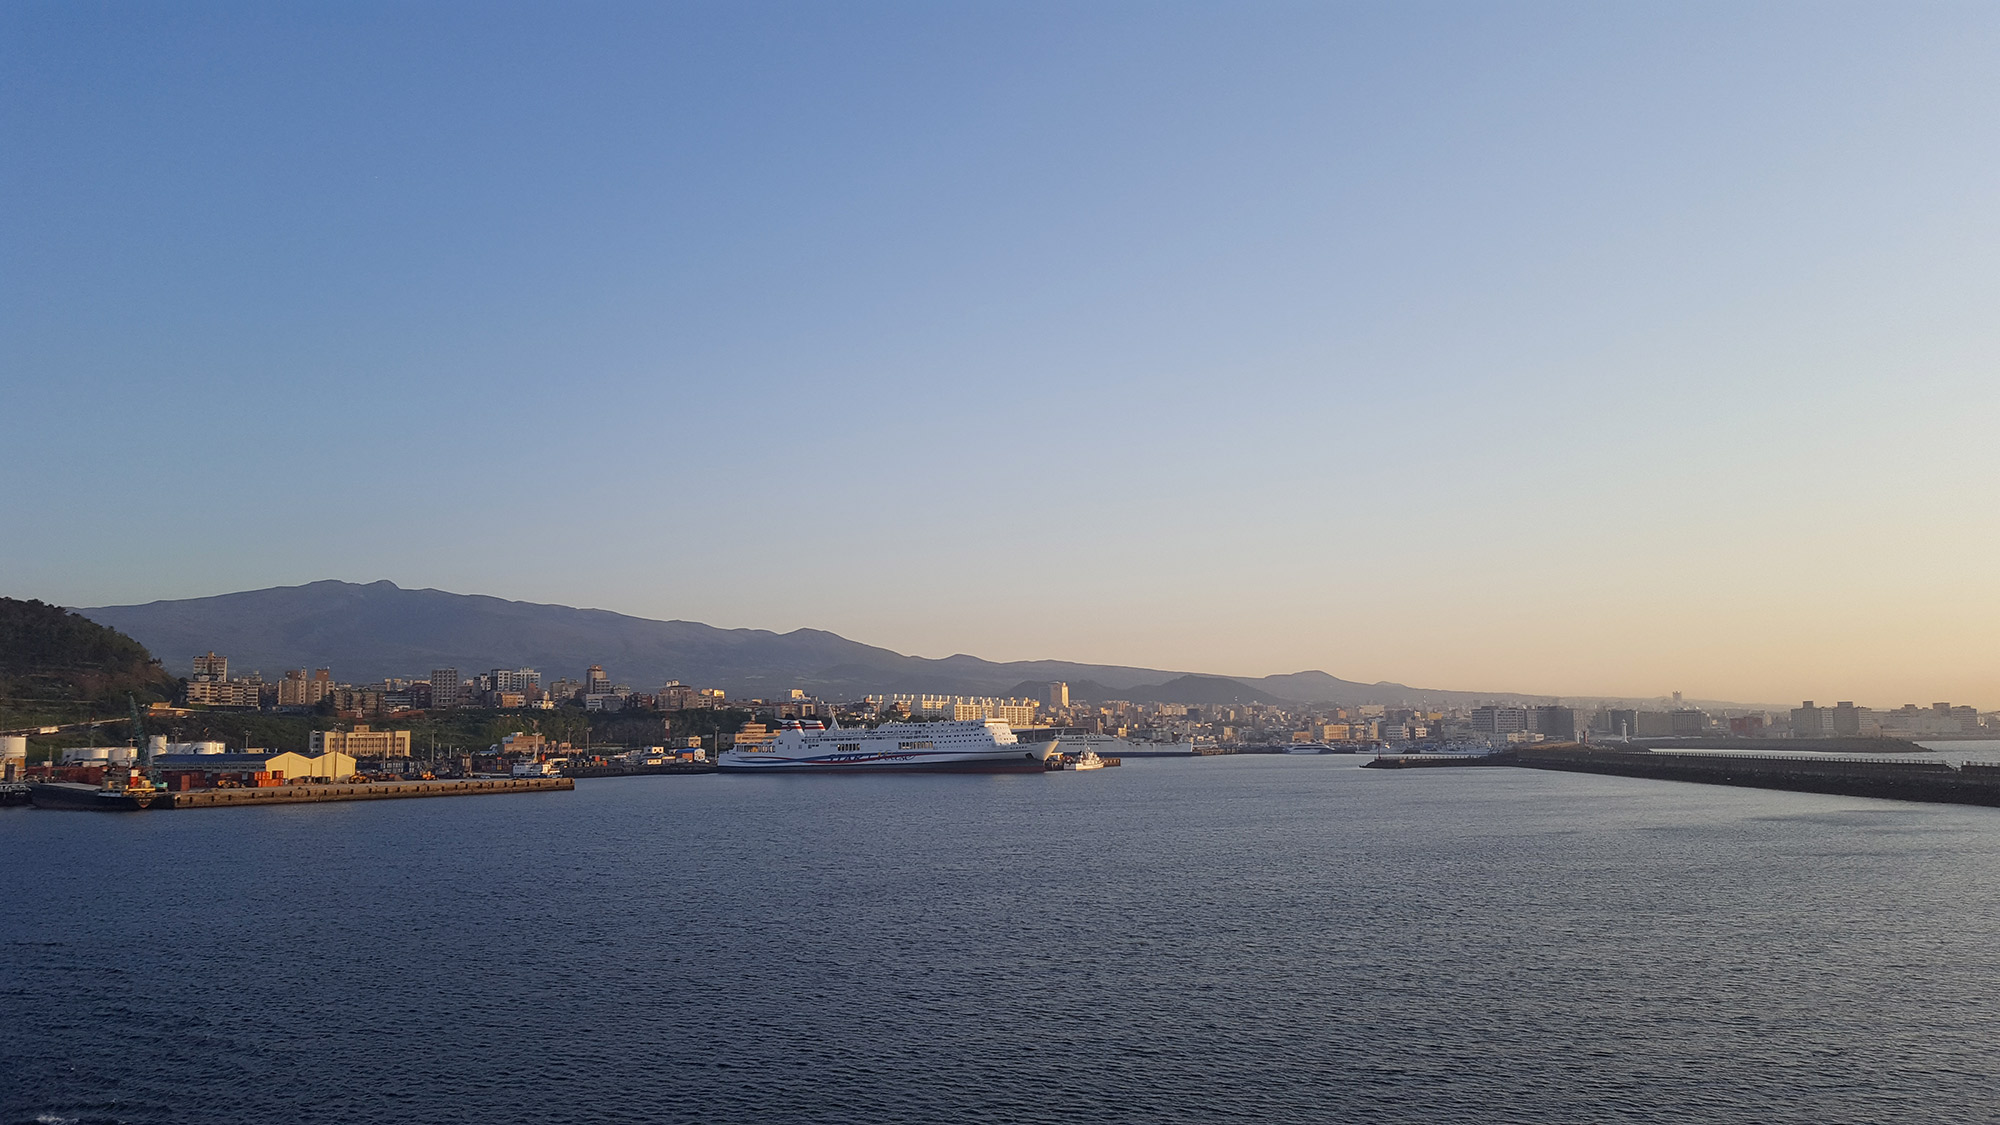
{"type": "Point", "coordinates": [1556, 348]}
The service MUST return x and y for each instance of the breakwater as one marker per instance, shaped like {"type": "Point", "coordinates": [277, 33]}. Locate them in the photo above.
{"type": "Point", "coordinates": [371, 791]}
{"type": "Point", "coordinates": [1429, 761]}
{"type": "Point", "coordinates": [1901, 779]}
{"type": "Point", "coordinates": [1763, 746]}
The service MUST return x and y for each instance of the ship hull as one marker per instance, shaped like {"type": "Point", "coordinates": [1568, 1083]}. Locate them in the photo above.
{"type": "Point", "coordinates": [1111, 746]}
{"type": "Point", "coordinates": [1012, 762]}
{"type": "Point", "coordinates": [68, 795]}
{"type": "Point", "coordinates": [942, 747]}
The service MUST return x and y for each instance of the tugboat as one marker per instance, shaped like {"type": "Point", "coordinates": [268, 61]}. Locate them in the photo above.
{"type": "Point", "coordinates": [1088, 760]}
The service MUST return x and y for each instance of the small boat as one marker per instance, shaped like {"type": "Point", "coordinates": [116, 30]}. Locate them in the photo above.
{"type": "Point", "coordinates": [1088, 760]}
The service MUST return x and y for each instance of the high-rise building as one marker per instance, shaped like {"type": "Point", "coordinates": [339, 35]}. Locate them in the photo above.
{"type": "Point", "coordinates": [1555, 722]}
{"type": "Point", "coordinates": [1013, 712]}
{"type": "Point", "coordinates": [1058, 695]}
{"type": "Point", "coordinates": [595, 682]}
{"type": "Point", "coordinates": [211, 667]}
{"type": "Point", "coordinates": [364, 703]}
{"type": "Point", "coordinates": [1499, 720]}
{"type": "Point", "coordinates": [1809, 721]}
{"type": "Point", "coordinates": [444, 687]}
{"type": "Point", "coordinates": [224, 693]}
{"type": "Point", "coordinates": [1622, 722]}
{"type": "Point", "coordinates": [524, 680]}
{"type": "Point", "coordinates": [1847, 718]}
{"type": "Point", "coordinates": [300, 690]}
{"type": "Point", "coordinates": [1655, 724]}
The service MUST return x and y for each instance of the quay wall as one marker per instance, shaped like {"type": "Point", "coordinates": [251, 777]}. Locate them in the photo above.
{"type": "Point", "coordinates": [1842, 745]}
{"type": "Point", "coordinates": [638, 771]}
{"type": "Point", "coordinates": [1901, 780]}
{"type": "Point", "coordinates": [1431, 761]}
{"type": "Point", "coordinates": [374, 791]}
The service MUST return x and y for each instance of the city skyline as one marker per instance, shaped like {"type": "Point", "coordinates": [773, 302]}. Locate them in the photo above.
{"type": "Point", "coordinates": [1553, 349]}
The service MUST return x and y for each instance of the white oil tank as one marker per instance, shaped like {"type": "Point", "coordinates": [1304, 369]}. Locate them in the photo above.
{"type": "Point", "coordinates": [121, 755]}
{"type": "Point", "coordinates": [13, 748]}
{"type": "Point", "coordinates": [156, 745]}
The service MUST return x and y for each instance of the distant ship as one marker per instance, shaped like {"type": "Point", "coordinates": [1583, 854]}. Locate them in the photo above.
{"type": "Point", "coordinates": [807, 745]}
{"type": "Point", "coordinates": [75, 795]}
{"type": "Point", "coordinates": [1074, 741]}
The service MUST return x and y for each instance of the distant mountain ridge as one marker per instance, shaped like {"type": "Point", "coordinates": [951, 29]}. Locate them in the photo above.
{"type": "Point", "coordinates": [367, 632]}
{"type": "Point", "coordinates": [1203, 690]}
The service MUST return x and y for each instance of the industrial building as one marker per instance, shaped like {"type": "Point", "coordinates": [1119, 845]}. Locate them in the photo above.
{"type": "Point", "coordinates": [283, 764]}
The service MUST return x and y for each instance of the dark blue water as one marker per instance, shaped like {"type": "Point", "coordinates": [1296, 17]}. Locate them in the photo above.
{"type": "Point", "coordinates": [1269, 939]}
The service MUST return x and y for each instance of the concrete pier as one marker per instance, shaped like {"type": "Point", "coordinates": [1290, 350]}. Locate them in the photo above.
{"type": "Point", "coordinates": [372, 791]}
{"type": "Point", "coordinates": [1428, 761]}
{"type": "Point", "coordinates": [639, 771]}
{"type": "Point", "coordinates": [1901, 779]}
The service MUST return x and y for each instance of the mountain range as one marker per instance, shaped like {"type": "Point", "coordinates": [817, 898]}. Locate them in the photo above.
{"type": "Point", "coordinates": [368, 632]}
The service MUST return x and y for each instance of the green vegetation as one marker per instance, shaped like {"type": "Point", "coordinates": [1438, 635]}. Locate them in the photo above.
{"type": "Point", "coordinates": [56, 667]}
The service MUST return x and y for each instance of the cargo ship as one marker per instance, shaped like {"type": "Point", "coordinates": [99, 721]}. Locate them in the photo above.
{"type": "Point", "coordinates": [97, 798]}
{"type": "Point", "coordinates": [809, 746]}
{"type": "Point", "coordinates": [1077, 740]}
{"type": "Point", "coordinates": [1113, 746]}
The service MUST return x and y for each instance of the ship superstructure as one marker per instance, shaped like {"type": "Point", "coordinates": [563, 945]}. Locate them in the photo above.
{"type": "Point", "coordinates": [1076, 741]}
{"type": "Point", "coordinates": [988, 747]}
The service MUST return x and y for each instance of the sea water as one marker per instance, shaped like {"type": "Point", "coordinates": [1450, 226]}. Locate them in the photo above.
{"type": "Point", "coordinates": [1215, 939]}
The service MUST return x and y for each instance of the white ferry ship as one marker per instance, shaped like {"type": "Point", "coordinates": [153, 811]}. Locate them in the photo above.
{"type": "Point", "coordinates": [985, 747]}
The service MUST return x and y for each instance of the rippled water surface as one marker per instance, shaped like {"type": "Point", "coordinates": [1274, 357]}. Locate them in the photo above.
{"type": "Point", "coordinates": [1268, 939]}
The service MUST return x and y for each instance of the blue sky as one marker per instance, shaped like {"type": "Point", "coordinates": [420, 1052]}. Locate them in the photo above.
{"type": "Point", "coordinates": [1566, 348]}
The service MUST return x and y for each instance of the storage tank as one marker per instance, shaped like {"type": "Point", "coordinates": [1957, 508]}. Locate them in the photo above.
{"type": "Point", "coordinates": [156, 745]}
{"type": "Point", "coordinates": [121, 755]}
{"type": "Point", "coordinates": [13, 748]}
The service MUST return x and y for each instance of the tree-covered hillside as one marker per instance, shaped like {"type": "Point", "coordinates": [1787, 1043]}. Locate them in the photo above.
{"type": "Point", "coordinates": [55, 663]}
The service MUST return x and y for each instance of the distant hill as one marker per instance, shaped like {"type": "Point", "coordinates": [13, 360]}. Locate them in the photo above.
{"type": "Point", "coordinates": [367, 632]}
{"type": "Point", "coordinates": [1318, 687]}
{"type": "Point", "coordinates": [48, 653]}
{"type": "Point", "coordinates": [1038, 690]}
{"type": "Point", "coordinates": [1202, 690]}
